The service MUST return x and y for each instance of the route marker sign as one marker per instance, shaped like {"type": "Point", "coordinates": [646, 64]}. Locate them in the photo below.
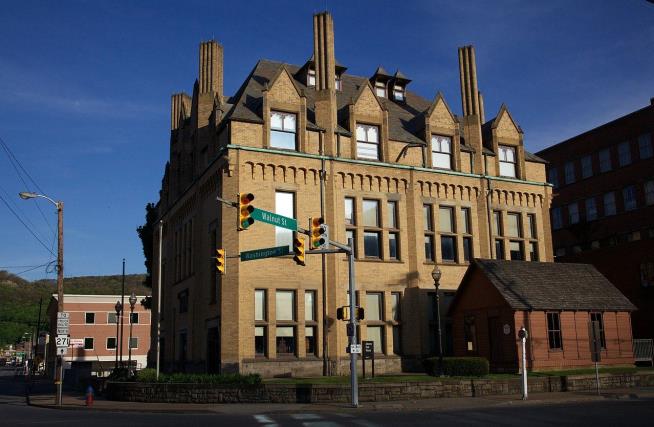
{"type": "Point", "coordinates": [62, 341]}
{"type": "Point", "coordinates": [264, 253]}
{"type": "Point", "coordinates": [274, 219]}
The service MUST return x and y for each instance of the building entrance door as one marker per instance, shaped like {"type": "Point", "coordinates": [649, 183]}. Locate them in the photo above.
{"type": "Point", "coordinates": [213, 351]}
{"type": "Point", "coordinates": [495, 335]}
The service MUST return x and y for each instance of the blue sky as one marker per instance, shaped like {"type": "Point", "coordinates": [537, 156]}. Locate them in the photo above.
{"type": "Point", "coordinates": [85, 89]}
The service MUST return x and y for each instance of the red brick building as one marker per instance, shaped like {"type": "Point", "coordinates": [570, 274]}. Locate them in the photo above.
{"type": "Point", "coordinates": [553, 301]}
{"type": "Point", "coordinates": [93, 323]}
{"type": "Point", "coordinates": [603, 206]}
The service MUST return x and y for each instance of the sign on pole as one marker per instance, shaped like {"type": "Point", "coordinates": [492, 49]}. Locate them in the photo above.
{"type": "Point", "coordinates": [63, 323]}
{"type": "Point", "coordinates": [62, 341]}
{"type": "Point", "coordinates": [274, 219]}
{"type": "Point", "coordinates": [264, 253]}
{"type": "Point", "coordinates": [77, 342]}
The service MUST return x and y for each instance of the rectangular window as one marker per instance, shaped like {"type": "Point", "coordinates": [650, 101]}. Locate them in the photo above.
{"type": "Point", "coordinates": [259, 304]}
{"type": "Point", "coordinates": [349, 211]}
{"type": "Point", "coordinates": [371, 213]}
{"type": "Point", "coordinates": [624, 153]}
{"type": "Point", "coordinates": [513, 225]}
{"type": "Point", "coordinates": [499, 249]}
{"type": "Point", "coordinates": [393, 243]}
{"type": "Point", "coordinates": [311, 78]}
{"type": "Point", "coordinates": [380, 89]}
{"type": "Point", "coordinates": [569, 172]}
{"type": "Point", "coordinates": [310, 340]}
{"type": "Point", "coordinates": [367, 142]}
{"type": "Point", "coordinates": [649, 193]}
{"type": "Point", "coordinates": [284, 205]}
{"type": "Point", "coordinates": [507, 161]}
{"type": "Point", "coordinates": [89, 318]}
{"type": "Point", "coordinates": [497, 223]}
{"type": "Point", "coordinates": [310, 306]}
{"type": "Point", "coordinates": [591, 209]}
{"type": "Point", "coordinates": [375, 334]}
{"type": "Point", "coordinates": [371, 244]}
{"type": "Point", "coordinates": [112, 318]}
{"type": "Point", "coordinates": [392, 214]}
{"type": "Point", "coordinates": [448, 248]}
{"type": "Point", "coordinates": [285, 305]}
{"type": "Point", "coordinates": [395, 306]}
{"type": "Point", "coordinates": [533, 251]}
{"type": "Point", "coordinates": [573, 213]}
{"type": "Point", "coordinates": [134, 342]}
{"type": "Point", "coordinates": [465, 221]}
{"type": "Point", "coordinates": [586, 166]}
{"type": "Point", "coordinates": [285, 340]}
{"type": "Point", "coordinates": [446, 219]}
{"type": "Point", "coordinates": [605, 160]}
{"type": "Point", "coordinates": [374, 304]}
{"type": "Point", "coordinates": [351, 234]}
{"type": "Point", "coordinates": [134, 318]}
{"type": "Point", "coordinates": [531, 226]}
{"type": "Point", "coordinates": [609, 204]}
{"type": "Point", "coordinates": [557, 218]}
{"type": "Point", "coordinates": [645, 146]}
{"type": "Point", "coordinates": [597, 317]}
{"type": "Point", "coordinates": [553, 177]}
{"type": "Point", "coordinates": [282, 130]}
{"type": "Point", "coordinates": [554, 331]}
{"type": "Point", "coordinates": [515, 249]}
{"type": "Point", "coordinates": [467, 249]}
{"type": "Point", "coordinates": [88, 343]}
{"type": "Point", "coordinates": [426, 210]}
{"type": "Point", "coordinates": [338, 82]}
{"type": "Point", "coordinates": [260, 340]}
{"type": "Point", "coordinates": [397, 340]}
{"type": "Point", "coordinates": [441, 152]}
{"type": "Point", "coordinates": [629, 196]}
{"type": "Point", "coordinates": [398, 93]}
{"type": "Point", "coordinates": [111, 343]}
{"type": "Point", "coordinates": [429, 247]}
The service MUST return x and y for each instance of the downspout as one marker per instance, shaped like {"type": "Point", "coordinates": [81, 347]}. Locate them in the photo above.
{"type": "Point", "coordinates": [325, 360]}
{"type": "Point", "coordinates": [404, 149]}
{"type": "Point", "coordinates": [489, 190]}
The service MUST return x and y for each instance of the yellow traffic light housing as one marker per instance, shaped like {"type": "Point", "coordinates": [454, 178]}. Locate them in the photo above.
{"type": "Point", "coordinates": [319, 233]}
{"type": "Point", "coordinates": [299, 249]}
{"type": "Point", "coordinates": [220, 260]}
{"type": "Point", "coordinates": [343, 313]}
{"type": "Point", "coordinates": [245, 210]}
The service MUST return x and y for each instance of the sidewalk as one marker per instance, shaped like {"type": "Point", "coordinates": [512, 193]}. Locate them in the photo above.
{"type": "Point", "coordinates": [76, 402]}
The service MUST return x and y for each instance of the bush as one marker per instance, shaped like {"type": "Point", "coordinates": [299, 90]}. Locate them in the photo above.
{"type": "Point", "coordinates": [458, 366]}
{"type": "Point", "coordinates": [150, 376]}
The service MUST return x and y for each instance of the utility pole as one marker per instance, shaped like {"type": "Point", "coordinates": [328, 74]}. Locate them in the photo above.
{"type": "Point", "coordinates": [159, 298]}
{"type": "Point", "coordinates": [59, 376]}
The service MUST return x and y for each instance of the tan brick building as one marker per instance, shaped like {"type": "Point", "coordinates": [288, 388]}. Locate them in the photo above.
{"type": "Point", "coordinates": [414, 185]}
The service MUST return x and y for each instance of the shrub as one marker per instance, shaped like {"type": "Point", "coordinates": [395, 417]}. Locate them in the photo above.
{"type": "Point", "coordinates": [458, 366]}
{"type": "Point", "coordinates": [150, 376]}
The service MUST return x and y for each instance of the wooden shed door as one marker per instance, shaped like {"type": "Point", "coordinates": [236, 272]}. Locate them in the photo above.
{"type": "Point", "coordinates": [495, 335]}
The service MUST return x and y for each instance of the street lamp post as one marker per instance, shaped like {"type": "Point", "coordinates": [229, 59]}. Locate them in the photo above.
{"type": "Point", "coordinates": [132, 303]}
{"type": "Point", "coordinates": [59, 373]}
{"type": "Point", "coordinates": [436, 275]}
{"type": "Point", "coordinates": [118, 307]}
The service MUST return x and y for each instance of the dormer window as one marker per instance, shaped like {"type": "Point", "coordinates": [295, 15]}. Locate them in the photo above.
{"type": "Point", "coordinates": [507, 161]}
{"type": "Point", "coordinates": [311, 78]}
{"type": "Point", "coordinates": [380, 89]}
{"type": "Point", "coordinates": [441, 152]}
{"type": "Point", "coordinates": [337, 82]}
{"type": "Point", "coordinates": [282, 130]}
{"type": "Point", "coordinates": [398, 92]}
{"type": "Point", "coordinates": [367, 141]}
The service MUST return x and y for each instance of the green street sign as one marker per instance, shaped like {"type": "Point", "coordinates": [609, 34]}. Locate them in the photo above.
{"type": "Point", "coordinates": [264, 253]}
{"type": "Point", "coordinates": [274, 219]}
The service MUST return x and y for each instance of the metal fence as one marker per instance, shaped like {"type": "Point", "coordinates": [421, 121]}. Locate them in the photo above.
{"type": "Point", "coordinates": [644, 350]}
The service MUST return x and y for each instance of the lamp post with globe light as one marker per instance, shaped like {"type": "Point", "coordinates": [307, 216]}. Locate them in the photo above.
{"type": "Point", "coordinates": [436, 275]}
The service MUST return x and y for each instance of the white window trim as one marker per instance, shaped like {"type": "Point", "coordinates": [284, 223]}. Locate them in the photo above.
{"type": "Point", "coordinates": [94, 317]}
{"type": "Point", "coordinates": [137, 343]}
{"type": "Point", "coordinates": [107, 346]}
{"type": "Point", "coordinates": [91, 338]}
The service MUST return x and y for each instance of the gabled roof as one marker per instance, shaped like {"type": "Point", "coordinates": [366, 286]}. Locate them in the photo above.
{"type": "Point", "coordinates": [400, 77]}
{"type": "Point", "coordinates": [526, 285]}
{"type": "Point", "coordinates": [381, 72]}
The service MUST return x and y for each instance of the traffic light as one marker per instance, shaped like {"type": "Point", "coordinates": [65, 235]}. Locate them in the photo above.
{"type": "Point", "coordinates": [360, 313]}
{"type": "Point", "coordinates": [299, 249]}
{"type": "Point", "coordinates": [245, 210]}
{"type": "Point", "coordinates": [343, 313]}
{"type": "Point", "coordinates": [220, 260]}
{"type": "Point", "coordinates": [319, 233]}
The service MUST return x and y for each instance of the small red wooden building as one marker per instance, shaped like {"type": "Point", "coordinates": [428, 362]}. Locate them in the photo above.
{"type": "Point", "coordinates": [555, 303]}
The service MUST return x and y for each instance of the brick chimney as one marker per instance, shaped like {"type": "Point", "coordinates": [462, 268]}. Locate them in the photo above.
{"type": "Point", "coordinates": [325, 63]}
{"type": "Point", "coordinates": [180, 108]}
{"type": "Point", "coordinates": [210, 80]}
{"type": "Point", "coordinates": [472, 104]}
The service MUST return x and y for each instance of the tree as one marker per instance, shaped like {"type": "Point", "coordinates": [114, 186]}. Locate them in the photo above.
{"type": "Point", "coordinates": [146, 234]}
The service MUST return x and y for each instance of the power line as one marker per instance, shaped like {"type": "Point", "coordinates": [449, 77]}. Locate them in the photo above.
{"type": "Point", "coordinates": [30, 269]}
{"type": "Point", "coordinates": [26, 226]}
{"type": "Point", "coordinates": [19, 210]}
{"type": "Point", "coordinates": [14, 161]}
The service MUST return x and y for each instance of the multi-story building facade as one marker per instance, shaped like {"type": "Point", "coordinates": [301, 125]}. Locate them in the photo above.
{"type": "Point", "coordinates": [414, 185]}
{"type": "Point", "coordinates": [94, 325]}
{"type": "Point", "coordinates": [603, 206]}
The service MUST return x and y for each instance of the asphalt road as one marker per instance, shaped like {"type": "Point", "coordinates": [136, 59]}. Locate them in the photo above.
{"type": "Point", "coordinates": [631, 412]}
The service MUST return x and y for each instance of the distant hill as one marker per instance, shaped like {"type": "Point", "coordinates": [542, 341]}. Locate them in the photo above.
{"type": "Point", "coordinates": [19, 298]}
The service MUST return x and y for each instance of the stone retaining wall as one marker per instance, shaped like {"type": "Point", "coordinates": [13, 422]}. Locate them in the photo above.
{"type": "Point", "coordinates": [368, 392]}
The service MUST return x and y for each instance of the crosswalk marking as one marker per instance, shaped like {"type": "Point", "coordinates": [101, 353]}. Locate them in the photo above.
{"type": "Point", "coordinates": [263, 419]}
{"type": "Point", "coordinates": [306, 416]}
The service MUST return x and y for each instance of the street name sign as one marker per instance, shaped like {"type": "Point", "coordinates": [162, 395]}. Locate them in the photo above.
{"type": "Point", "coordinates": [63, 331]}
{"type": "Point", "coordinates": [77, 342]}
{"type": "Point", "coordinates": [355, 348]}
{"type": "Point", "coordinates": [274, 219]}
{"type": "Point", "coordinates": [264, 253]}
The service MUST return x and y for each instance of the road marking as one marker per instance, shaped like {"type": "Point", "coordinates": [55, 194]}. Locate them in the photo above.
{"type": "Point", "coordinates": [269, 422]}
{"type": "Point", "coordinates": [321, 424]}
{"type": "Point", "coordinates": [306, 416]}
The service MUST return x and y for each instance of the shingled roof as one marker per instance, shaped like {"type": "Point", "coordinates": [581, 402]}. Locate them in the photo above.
{"type": "Point", "coordinates": [406, 119]}
{"type": "Point", "coordinates": [550, 286]}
